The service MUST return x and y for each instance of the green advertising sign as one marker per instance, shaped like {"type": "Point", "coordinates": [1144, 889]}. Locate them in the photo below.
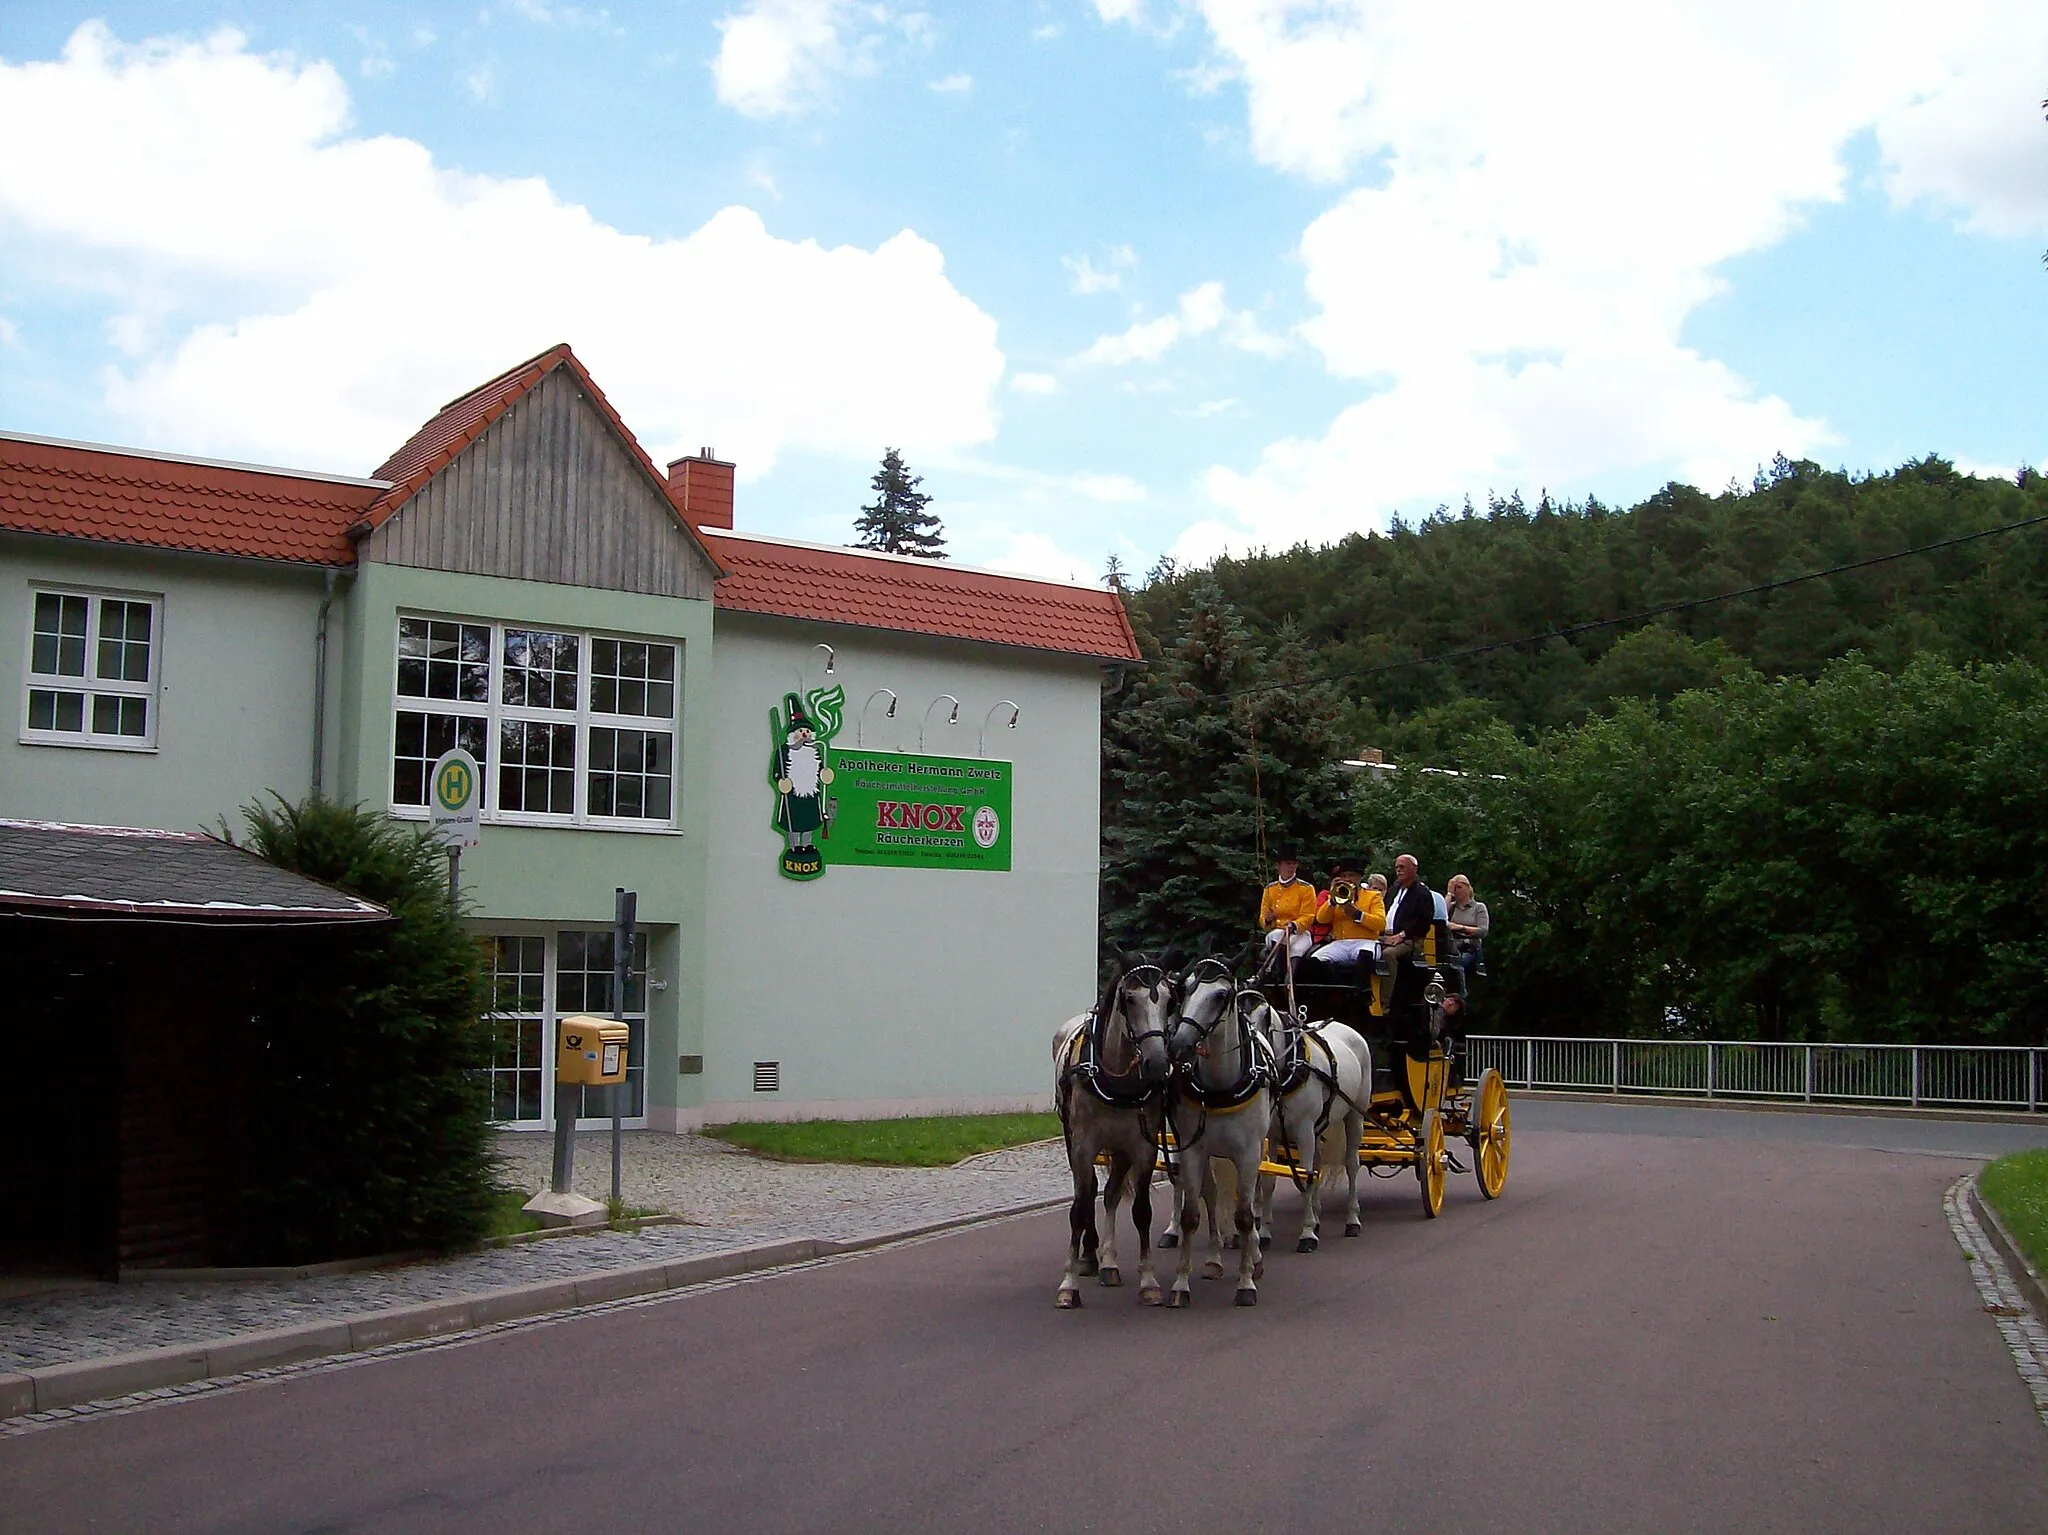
{"type": "Point", "coordinates": [880, 809]}
{"type": "Point", "coordinates": [902, 812]}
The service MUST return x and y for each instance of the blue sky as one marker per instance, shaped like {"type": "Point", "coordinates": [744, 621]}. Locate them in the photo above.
{"type": "Point", "coordinates": [1128, 276]}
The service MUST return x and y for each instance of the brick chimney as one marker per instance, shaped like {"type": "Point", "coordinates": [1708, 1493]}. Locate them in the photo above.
{"type": "Point", "coordinates": [703, 484]}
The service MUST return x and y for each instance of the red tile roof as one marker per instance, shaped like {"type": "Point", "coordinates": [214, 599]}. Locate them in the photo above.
{"type": "Point", "coordinates": [464, 419]}
{"type": "Point", "coordinates": [77, 490]}
{"type": "Point", "coordinates": [880, 591]}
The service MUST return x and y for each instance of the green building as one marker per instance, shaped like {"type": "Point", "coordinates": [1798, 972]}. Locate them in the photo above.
{"type": "Point", "coordinates": [522, 581]}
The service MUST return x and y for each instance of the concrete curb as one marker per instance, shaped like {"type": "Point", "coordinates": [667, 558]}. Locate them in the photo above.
{"type": "Point", "coordinates": [2024, 1274]}
{"type": "Point", "coordinates": [1774, 1105]}
{"type": "Point", "coordinates": [117, 1375]}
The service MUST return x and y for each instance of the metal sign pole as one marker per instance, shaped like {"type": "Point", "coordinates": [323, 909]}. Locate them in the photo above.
{"type": "Point", "coordinates": [625, 909]}
{"type": "Point", "coordinates": [455, 878]}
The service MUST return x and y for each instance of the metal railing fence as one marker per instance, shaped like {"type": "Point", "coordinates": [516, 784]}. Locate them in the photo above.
{"type": "Point", "coordinates": [1908, 1076]}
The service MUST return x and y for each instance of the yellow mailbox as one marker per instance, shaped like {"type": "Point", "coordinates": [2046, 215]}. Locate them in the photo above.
{"type": "Point", "coordinates": [593, 1052]}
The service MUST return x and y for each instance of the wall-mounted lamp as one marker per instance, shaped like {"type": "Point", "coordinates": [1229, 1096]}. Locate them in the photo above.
{"type": "Point", "coordinates": [952, 719]}
{"type": "Point", "coordinates": [860, 734]}
{"type": "Point", "coordinates": [981, 746]}
{"type": "Point", "coordinates": [831, 657]}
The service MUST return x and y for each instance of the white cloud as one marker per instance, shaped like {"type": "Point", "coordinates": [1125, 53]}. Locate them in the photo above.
{"type": "Point", "coordinates": [778, 56]}
{"type": "Point", "coordinates": [481, 81]}
{"type": "Point", "coordinates": [1034, 383]}
{"type": "Point", "coordinates": [1046, 33]}
{"type": "Point", "coordinates": [1208, 408]}
{"type": "Point", "coordinates": [1201, 311]}
{"type": "Point", "coordinates": [1084, 276]}
{"type": "Point", "coordinates": [307, 297]}
{"type": "Point", "coordinates": [10, 334]}
{"type": "Point", "coordinates": [953, 85]}
{"type": "Point", "coordinates": [1532, 208]}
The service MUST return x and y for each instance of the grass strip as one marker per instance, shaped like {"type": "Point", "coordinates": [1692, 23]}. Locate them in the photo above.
{"type": "Point", "coordinates": [932, 1142]}
{"type": "Point", "coordinates": [2017, 1188]}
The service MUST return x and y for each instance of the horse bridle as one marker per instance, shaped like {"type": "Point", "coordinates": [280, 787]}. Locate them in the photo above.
{"type": "Point", "coordinates": [1150, 977]}
{"type": "Point", "coordinates": [1202, 1031]}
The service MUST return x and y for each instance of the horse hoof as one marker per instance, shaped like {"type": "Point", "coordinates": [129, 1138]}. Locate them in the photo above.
{"type": "Point", "coordinates": [1149, 1296]}
{"type": "Point", "coordinates": [1169, 1239]}
{"type": "Point", "coordinates": [1247, 1297]}
{"type": "Point", "coordinates": [1069, 1300]}
{"type": "Point", "coordinates": [1352, 1228]}
{"type": "Point", "coordinates": [1212, 1270]}
{"type": "Point", "coordinates": [1178, 1300]}
{"type": "Point", "coordinates": [1305, 1245]}
{"type": "Point", "coordinates": [1265, 1241]}
{"type": "Point", "coordinates": [1088, 1268]}
{"type": "Point", "coordinates": [1110, 1278]}
{"type": "Point", "coordinates": [1230, 1243]}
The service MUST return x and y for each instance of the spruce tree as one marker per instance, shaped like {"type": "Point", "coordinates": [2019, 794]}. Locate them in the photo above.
{"type": "Point", "coordinates": [1202, 779]}
{"type": "Point", "coordinates": [898, 522]}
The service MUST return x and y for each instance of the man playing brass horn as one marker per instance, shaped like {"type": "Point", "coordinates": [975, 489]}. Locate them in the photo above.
{"type": "Point", "coordinates": [1353, 912]}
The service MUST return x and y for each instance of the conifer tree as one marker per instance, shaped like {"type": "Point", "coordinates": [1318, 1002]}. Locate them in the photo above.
{"type": "Point", "coordinates": [1199, 774]}
{"type": "Point", "coordinates": [898, 522]}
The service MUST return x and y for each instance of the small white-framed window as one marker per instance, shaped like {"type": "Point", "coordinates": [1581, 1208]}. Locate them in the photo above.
{"type": "Point", "coordinates": [92, 666]}
{"type": "Point", "coordinates": [570, 728]}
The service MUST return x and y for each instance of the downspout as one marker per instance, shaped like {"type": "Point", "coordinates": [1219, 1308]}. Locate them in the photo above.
{"type": "Point", "coordinates": [320, 683]}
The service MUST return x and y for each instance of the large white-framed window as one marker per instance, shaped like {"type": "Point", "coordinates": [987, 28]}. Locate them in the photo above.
{"type": "Point", "coordinates": [571, 728]}
{"type": "Point", "coordinates": [93, 662]}
{"type": "Point", "coordinates": [539, 978]}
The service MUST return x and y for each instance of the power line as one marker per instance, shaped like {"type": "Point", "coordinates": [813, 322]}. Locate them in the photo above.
{"type": "Point", "coordinates": [1687, 605]}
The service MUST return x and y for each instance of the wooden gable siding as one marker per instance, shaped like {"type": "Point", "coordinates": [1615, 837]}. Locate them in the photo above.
{"type": "Point", "coordinates": [547, 494]}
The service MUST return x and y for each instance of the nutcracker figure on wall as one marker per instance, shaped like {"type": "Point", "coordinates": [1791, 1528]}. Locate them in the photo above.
{"type": "Point", "coordinates": [801, 770]}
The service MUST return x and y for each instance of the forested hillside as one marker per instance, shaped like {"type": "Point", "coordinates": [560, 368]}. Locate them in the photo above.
{"type": "Point", "coordinates": [1469, 577]}
{"type": "Point", "coordinates": [1817, 812]}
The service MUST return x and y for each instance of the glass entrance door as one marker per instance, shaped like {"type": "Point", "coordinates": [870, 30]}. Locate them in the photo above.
{"type": "Point", "coordinates": [538, 979]}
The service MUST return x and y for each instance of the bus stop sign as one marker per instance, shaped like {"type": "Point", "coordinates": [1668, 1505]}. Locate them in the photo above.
{"type": "Point", "coordinates": [454, 798]}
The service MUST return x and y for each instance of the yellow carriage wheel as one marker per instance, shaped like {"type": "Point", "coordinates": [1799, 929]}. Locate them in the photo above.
{"type": "Point", "coordinates": [1489, 1133]}
{"type": "Point", "coordinates": [1430, 1161]}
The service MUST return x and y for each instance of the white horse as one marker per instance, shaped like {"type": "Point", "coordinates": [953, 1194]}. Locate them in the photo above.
{"type": "Point", "coordinates": [1318, 1117]}
{"type": "Point", "coordinates": [1220, 1107]}
{"type": "Point", "coordinates": [1109, 1084]}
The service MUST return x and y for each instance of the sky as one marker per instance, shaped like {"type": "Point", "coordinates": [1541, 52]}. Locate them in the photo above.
{"type": "Point", "coordinates": [1120, 278]}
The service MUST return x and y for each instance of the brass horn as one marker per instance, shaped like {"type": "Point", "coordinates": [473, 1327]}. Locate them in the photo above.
{"type": "Point", "coordinates": [1343, 892]}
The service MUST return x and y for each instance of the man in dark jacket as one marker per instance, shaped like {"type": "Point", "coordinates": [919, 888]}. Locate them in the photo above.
{"type": "Point", "coordinates": [1411, 910]}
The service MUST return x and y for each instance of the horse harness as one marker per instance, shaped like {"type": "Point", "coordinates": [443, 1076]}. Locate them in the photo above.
{"type": "Point", "coordinates": [1124, 1089]}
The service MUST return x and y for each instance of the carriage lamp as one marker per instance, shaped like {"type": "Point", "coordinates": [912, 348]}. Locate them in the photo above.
{"type": "Point", "coordinates": [861, 731]}
{"type": "Point", "coordinates": [831, 656]}
{"type": "Point", "coordinates": [951, 719]}
{"type": "Point", "coordinates": [981, 746]}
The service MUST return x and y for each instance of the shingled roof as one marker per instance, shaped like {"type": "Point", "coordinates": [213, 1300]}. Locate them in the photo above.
{"type": "Point", "coordinates": [883, 591]}
{"type": "Point", "coordinates": [53, 868]}
{"type": "Point", "coordinates": [165, 501]}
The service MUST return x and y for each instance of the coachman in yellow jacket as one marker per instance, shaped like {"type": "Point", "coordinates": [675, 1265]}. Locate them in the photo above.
{"type": "Point", "coordinates": [1287, 899]}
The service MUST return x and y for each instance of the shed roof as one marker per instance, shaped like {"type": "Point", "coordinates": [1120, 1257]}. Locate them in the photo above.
{"type": "Point", "coordinates": [886, 591]}
{"type": "Point", "coordinates": [168, 501]}
{"type": "Point", "coordinates": [55, 868]}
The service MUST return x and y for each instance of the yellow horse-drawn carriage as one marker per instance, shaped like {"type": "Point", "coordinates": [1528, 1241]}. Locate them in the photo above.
{"type": "Point", "coordinates": [1421, 1102]}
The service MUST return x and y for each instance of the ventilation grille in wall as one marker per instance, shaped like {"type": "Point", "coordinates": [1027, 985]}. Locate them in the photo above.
{"type": "Point", "coordinates": [767, 1076]}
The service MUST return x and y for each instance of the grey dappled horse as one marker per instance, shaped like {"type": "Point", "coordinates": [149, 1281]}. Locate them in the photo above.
{"type": "Point", "coordinates": [1220, 1108]}
{"type": "Point", "coordinates": [1317, 1120]}
{"type": "Point", "coordinates": [1109, 1085]}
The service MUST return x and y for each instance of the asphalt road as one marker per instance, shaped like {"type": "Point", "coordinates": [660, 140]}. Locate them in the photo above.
{"type": "Point", "coordinates": [1713, 1326]}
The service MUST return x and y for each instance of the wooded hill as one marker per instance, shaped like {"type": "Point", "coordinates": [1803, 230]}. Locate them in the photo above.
{"type": "Point", "coordinates": [1470, 577]}
{"type": "Point", "coordinates": [1819, 812]}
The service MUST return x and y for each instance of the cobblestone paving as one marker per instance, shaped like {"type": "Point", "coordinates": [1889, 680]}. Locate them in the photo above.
{"type": "Point", "coordinates": [732, 1199]}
